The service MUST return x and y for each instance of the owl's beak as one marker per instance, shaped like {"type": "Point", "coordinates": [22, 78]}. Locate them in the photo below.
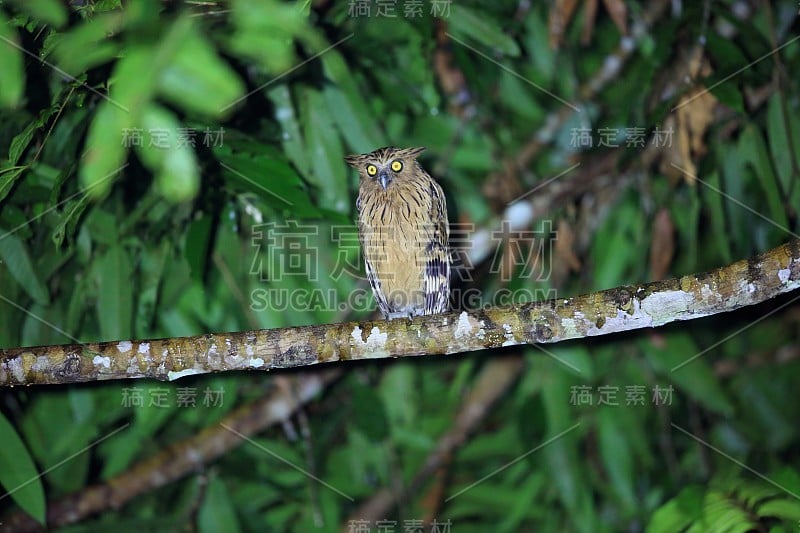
{"type": "Point", "coordinates": [385, 179]}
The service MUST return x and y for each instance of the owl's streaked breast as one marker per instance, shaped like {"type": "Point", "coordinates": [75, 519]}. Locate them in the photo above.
{"type": "Point", "coordinates": [395, 230]}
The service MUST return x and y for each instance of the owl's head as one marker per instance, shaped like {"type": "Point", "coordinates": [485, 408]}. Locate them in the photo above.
{"type": "Point", "coordinates": [385, 165]}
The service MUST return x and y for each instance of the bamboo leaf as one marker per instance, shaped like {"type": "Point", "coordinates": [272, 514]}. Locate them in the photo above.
{"type": "Point", "coordinates": [15, 257]}
{"type": "Point", "coordinates": [113, 275]}
{"type": "Point", "coordinates": [18, 473]}
{"type": "Point", "coordinates": [12, 83]}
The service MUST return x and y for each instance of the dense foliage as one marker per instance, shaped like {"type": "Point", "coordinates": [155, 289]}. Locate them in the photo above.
{"type": "Point", "coordinates": [172, 168]}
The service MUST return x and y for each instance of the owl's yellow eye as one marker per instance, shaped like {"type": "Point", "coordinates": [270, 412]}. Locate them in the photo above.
{"type": "Point", "coordinates": [397, 166]}
{"type": "Point", "coordinates": [372, 170]}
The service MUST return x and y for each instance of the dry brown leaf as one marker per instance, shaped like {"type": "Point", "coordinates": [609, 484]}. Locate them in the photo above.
{"type": "Point", "coordinates": [563, 11]}
{"type": "Point", "coordinates": [503, 186]}
{"type": "Point", "coordinates": [691, 119]}
{"type": "Point", "coordinates": [565, 246]}
{"type": "Point", "coordinates": [618, 13]}
{"type": "Point", "coordinates": [588, 21]}
{"type": "Point", "coordinates": [450, 77]}
{"type": "Point", "coordinates": [662, 247]}
{"type": "Point", "coordinates": [558, 19]}
{"type": "Point", "coordinates": [693, 114]}
{"type": "Point", "coordinates": [565, 260]}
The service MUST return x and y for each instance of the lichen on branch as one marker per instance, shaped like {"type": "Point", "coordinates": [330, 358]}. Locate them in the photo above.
{"type": "Point", "coordinates": [625, 308]}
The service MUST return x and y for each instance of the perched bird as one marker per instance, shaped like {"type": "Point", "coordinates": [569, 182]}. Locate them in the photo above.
{"type": "Point", "coordinates": [403, 230]}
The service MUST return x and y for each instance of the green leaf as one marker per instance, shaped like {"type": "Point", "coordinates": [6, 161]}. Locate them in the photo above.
{"type": "Point", "coordinates": [678, 513]}
{"type": "Point", "coordinates": [217, 512]}
{"type": "Point", "coordinates": [265, 31]}
{"type": "Point", "coordinates": [788, 478]}
{"type": "Point", "coordinates": [37, 325]}
{"type": "Point", "coordinates": [685, 213]}
{"type": "Point", "coordinates": [132, 87]}
{"type": "Point", "coordinates": [517, 96]}
{"type": "Point", "coordinates": [173, 162]}
{"type": "Point", "coordinates": [560, 453]}
{"type": "Point", "coordinates": [752, 494]}
{"type": "Point", "coordinates": [137, 74]}
{"type": "Point", "coordinates": [68, 221]}
{"type": "Point", "coordinates": [353, 120]}
{"type": "Point", "coordinates": [472, 26]}
{"type": "Point", "coordinates": [727, 93]}
{"type": "Point", "coordinates": [724, 513]}
{"type": "Point", "coordinates": [753, 149]}
{"type": "Point", "coordinates": [770, 412]}
{"type": "Point", "coordinates": [45, 11]}
{"type": "Point", "coordinates": [113, 273]}
{"type": "Point", "coordinates": [612, 249]}
{"type": "Point", "coordinates": [559, 457]}
{"type": "Point", "coordinates": [291, 139]}
{"type": "Point", "coordinates": [271, 177]}
{"type": "Point", "coordinates": [21, 141]}
{"type": "Point", "coordinates": [106, 5]}
{"type": "Point", "coordinates": [78, 302]}
{"type": "Point", "coordinates": [105, 153]}
{"type": "Point", "coordinates": [784, 508]}
{"type": "Point", "coordinates": [783, 131]}
{"type": "Point", "coordinates": [198, 80]}
{"type": "Point", "coordinates": [675, 359]}
{"type": "Point", "coordinates": [713, 202]}
{"type": "Point", "coordinates": [530, 415]}
{"type": "Point", "coordinates": [328, 170]}
{"type": "Point", "coordinates": [542, 56]}
{"type": "Point", "coordinates": [102, 227]}
{"type": "Point", "coordinates": [14, 255]}
{"type": "Point", "coordinates": [87, 45]}
{"type": "Point", "coordinates": [617, 456]}
{"type": "Point", "coordinates": [152, 261]}
{"type": "Point", "coordinates": [401, 409]}
{"type": "Point", "coordinates": [726, 54]}
{"type": "Point", "coordinates": [18, 474]}
{"type": "Point", "coordinates": [493, 499]}
{"type": "Point", "coordinates": [523, 503]}
{"type": "Point", "coordinates": [369, 414]}
{"type": "Point", "coordinates": [149, 419]}
{"type": "Point", "coordinates": [571, 356]}
{"type": "Point", "coordinates": [198, 242]}
{"type": "Point", "coordinates": [12, 83]}
{"type": "Point", "coordinates": [9, 176]}
{"type": "Point", "coordinates": [179, 179]}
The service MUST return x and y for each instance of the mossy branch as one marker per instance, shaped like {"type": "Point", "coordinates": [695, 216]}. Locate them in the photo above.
{"type": "Point", "coordinates": [625, 308]}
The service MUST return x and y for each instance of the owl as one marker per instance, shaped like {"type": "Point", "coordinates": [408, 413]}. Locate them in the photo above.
{"type": "Point", "coordinates": [403, 231]}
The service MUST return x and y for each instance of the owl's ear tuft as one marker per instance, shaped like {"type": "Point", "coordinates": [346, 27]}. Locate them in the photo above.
{"type": "Point", "coordinates": [353, 160]}
{"type": "Point", "coordinates": [413, 152]}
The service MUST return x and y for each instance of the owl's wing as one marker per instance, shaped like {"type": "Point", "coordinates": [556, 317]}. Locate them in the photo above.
{"type": "Point", "coordinates": [437, 266]}
{"type": "Point", "coordinates": [365, 236]}
{"type": "Point", "coordinates": [377, 290]}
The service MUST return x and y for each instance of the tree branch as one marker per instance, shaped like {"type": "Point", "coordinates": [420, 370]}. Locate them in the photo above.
{"type": "Point", "coordinates": [625, 308]}
{"type": "Point", "coordinates": [495, 378]}
{"type": "Point", "coordinates": [180, 458]}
